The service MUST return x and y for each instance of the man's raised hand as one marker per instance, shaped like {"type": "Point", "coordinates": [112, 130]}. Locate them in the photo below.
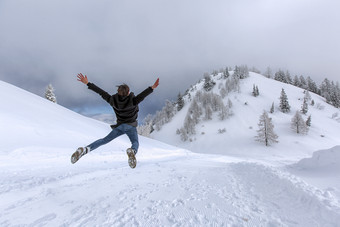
{"type": "Point", "coordinates": [155, 84]}
{"type": "Point", "coordinates": [82, 78]}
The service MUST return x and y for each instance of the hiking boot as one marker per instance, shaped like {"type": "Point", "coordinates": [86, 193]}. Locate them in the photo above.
{"type": "Point", "coordinates": [132, 158]}
{"type": "Point", "coordinates": [81, 151]}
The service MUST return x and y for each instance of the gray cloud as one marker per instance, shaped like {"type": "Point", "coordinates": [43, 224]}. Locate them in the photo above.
{"type": "Point", "coordinates": [135, 42]}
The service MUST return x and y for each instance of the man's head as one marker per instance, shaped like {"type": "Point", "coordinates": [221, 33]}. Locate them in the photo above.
{"type": "Point", "coordinates": [123, 90]}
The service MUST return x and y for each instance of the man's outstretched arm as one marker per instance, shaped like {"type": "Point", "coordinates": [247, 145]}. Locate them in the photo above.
{"type": "Point", "coordinates": [106, 96]}
{"type": "Point", "coordinates": [146, 92]}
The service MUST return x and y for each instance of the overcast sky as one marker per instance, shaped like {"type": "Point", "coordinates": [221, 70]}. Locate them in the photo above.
{"type": "Point", "coordinates": [134, 42]}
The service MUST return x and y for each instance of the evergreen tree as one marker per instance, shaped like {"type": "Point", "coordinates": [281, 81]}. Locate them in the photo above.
{"type": "Point", "coordinates": [266, 132]}
{"type": "Point", "coordinates": [169, 111]}
{"type": "Point", "coordinates": [284, 105]}
{"type": "Point", "coordinates": [229, 104]}
{"type": "Point", "coordinates": [208, 83]}
{"type": "Point", "coordinates": [311, 85]}
{"type": "Point", "coordinates": [49, 94]}
{"type": "Point", "coordinates": [307, 96]}
{"type": "Point", "coordinates": [180, 102]}
{"type": "Point", "coordinates": [296, 81]}
{"type": "Point", "coordinates": [223, 92]}
{"type": "Point", "coordinates": [189, 125]}
{"type": "Point", "coordinates": [272, 108]}
{"type": "Point", "coordinates": [216, 102]}
{"type": "Point", "coordinates": [195, 111]}
{"type": "Point", "coordinates": [309, 121]}
{"type": "Point", "coordinates": [288, 78]}
{"type": "Point", "coordinates": [255, 91]}
{"type": "Point", "coordinates": [325, 88]}
{"type": "Point", "coordinates": [208, 113]}
{"type": "Point", "coordinates": [298, 124]}
{"type": "Point", "coordinates": [147, 128]}
{"type": "Point", "coordinates": [183, 134]}
{"type": "Point", "coordinates": [241, 72]}
{"type": "Point", "coordinates": [312, 102]}
{"type": "Point", "coordinates": [280, 76]}
{"type": "Point", "coordinates": [226, 73]}
{"type": "Point", "coordinates": [304, 107]}
{"type": "Point", "coordinates": [335, 95]}
{"type": "Point", "coordinates": [303, 82]}
{"type": "Point", "coordinates": [224, 113]}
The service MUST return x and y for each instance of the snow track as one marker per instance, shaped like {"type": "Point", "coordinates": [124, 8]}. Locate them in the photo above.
{"type": "Point", "coordinates": [195, 191]}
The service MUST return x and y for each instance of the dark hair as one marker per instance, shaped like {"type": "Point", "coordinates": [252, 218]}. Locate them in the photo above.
{"type": "Point", "coordinates": [123, 90]}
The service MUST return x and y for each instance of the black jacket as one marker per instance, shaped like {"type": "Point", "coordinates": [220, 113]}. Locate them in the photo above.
{"type": "Point", "coordinates": [125, 107]}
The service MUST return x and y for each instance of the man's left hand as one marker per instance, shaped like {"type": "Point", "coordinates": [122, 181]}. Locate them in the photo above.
{"type": "Point", "coordinates": [155, 84]}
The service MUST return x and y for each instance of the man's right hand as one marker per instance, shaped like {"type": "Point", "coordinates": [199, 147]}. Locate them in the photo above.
{"type": "Point", "coordinates": [82, 78]}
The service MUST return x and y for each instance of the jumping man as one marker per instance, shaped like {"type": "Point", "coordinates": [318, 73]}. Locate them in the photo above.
{"type": "Point", "coordinates": [125, 106]}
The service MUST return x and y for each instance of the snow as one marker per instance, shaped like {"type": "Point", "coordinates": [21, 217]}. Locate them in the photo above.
{"type": "Point", "coordinates": [171, 186]}
{"type": "Point", "coordinates": [239, 138]}
{"type": "Point", "coordinates": [322, 170]}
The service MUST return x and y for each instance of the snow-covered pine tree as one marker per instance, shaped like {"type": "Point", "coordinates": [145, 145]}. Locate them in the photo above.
{"type": "Point", "coordinates": [307, 96]}
{"type": "Point", "coordinates": [272, 108]}
{"type": "Point", "coordinates": [208, 82]}
{"type": "Point", "coordinates": [216, 102]}
{"type": "Point", "coordinates": [49, 94]}
{"type": "Point", "coordinates": [298, 124]}
{"type": "Point", "coordinates": [224, 112]}
{"type": "Point", "coordinates": [189, 125]}
{"type": "Point", "coordinates": [165, 115]}
{"type": "Point", "coordinates": [288, 78]}
{"type": "Point", "coordinates": [303, 82]}
{"type": "Point", "coordinates": [146, 128]}
{"type": "Point", "coordinates": [229, 104]}
{"type": "Point", "coordinates": [223, 92]}
{"type": "Point", "coordinates": [284, 105]}
{"type": "Point", "coordinates": [309, 121]}
{"type": "Point", "coordinates": [311, 86]}
{"type": "Point", "coordinates": [304, 106]}
{"type": "Point", "coordinates": [280, 76]}
{"type": "Point", "coordinates": [169, 110]}
{"type": "Point", "coordinates": [255, 91]}
{"type": "Point", "coordinates": [195, 110]}
{"type": "Point", "coordinates": [225, 73]}
{"type": "Point", "coordinates": [208, 113]}
{"type": "Point", "coordinates": [180, 102]}
{"type": "Point", "coordinates": [241, 72]}
{"type": "Point", "coordinates": [335, 95]}
{"type": "Point", "coordinates": [183, 134]}
{"type": "Point", "coordinates": [266, 133]}
{"type": "Point", "coordinates": [325, 88]}
{"type": "Point", "coordinates": [296, 81]}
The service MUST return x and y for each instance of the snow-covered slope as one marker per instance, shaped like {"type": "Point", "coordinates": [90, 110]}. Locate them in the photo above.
{"type": "Point", "coordinates": [169, 187]}
{"type": "Point", "coordinates": [241, 128]}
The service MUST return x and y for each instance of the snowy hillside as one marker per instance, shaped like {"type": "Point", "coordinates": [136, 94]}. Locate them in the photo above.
{"type": "Point", "coordinates": [170, 186]}
{"type": "Point", "coordinates": [241, 128]}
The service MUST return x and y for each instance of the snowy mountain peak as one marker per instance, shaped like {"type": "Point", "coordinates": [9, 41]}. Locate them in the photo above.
{"type": "Point", "coordinates": [225, 117]}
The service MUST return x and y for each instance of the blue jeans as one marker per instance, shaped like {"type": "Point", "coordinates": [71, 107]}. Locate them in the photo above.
{"type": "Point", "coordinates": [129, 130]}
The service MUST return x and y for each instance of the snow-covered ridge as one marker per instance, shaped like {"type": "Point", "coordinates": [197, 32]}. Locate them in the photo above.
{"type": "Point", "coordinates": [170, 186]}
{"type": "Point", "coordinates": [236, 134]}
{"type": "Point", "coordinates": [323, 160]}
